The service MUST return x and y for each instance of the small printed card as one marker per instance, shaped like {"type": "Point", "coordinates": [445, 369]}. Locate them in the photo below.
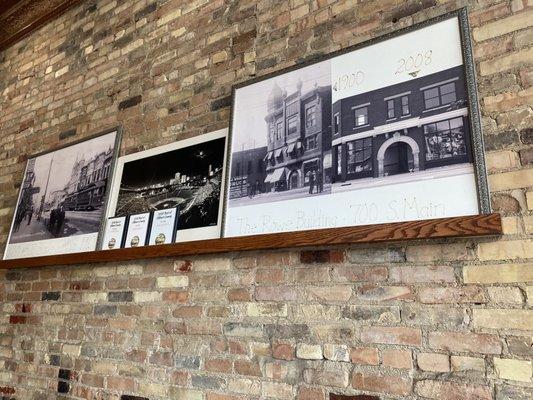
{"type": "Point", "coordinates": [137, 230]}
{"type": "Point", "coordinates": [114, 233]}
{"type": "Point", "coordinates": [164, 225]}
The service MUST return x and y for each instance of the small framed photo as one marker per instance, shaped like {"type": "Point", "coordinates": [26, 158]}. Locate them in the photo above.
{"type": "Point", "coordinates": [63, 198]}
{"type": "Point", "coordinates": [138, 230]}
{"type": "Point", "coordinates": [114, 233]}
{"type": "Point", "coordinates": [188, 174]}
{"type": "Point", "coordinates": [386, 131]}
{"type": "Point", "coordinates": [164, 226]}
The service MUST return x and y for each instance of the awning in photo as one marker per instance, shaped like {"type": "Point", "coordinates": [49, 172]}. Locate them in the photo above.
{"type": "Point", "coordinates": [269, 177]}
{"type": "Point", "coordinates": [291, 147]}
{"type": "Point", "coordinates": [278, 152]}
{"type": "Point", "coordinates": [278, 175]}
{"type": "Point", "coordinates": [268, 156]}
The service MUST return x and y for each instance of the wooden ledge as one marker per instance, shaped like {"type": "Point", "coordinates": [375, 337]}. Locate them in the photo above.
{"type": "Point", "coordinates": [476, 225]}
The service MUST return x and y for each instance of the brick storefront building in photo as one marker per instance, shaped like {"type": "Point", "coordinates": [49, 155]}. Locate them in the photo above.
{"type": "Point", "coordinates": [442, 319]}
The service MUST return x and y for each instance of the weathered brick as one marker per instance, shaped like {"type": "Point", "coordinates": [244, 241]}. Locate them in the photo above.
{"type": "Point", "coordinates": [515, 370]}
{"type": "Point", "coordinates": [442, 390]}
{"type": "Point", "coordinates": [465, 342]}
{"type": "Point", "coordinates": [382, 384]}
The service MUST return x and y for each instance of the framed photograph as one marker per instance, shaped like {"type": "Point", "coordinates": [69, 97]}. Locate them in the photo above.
{"type": "Point", "coordinates": [137, 230]}
{"type": "Point", "coordinates": [188, 174]}
{"type": "Point", "coordinates": [164, 226]}
{"type": "Point", "coordinates": [114, 233]}
{"type": "Point", "coordinates": [386, 131]}
{"type": "Point", "coordinates": [62, 198]}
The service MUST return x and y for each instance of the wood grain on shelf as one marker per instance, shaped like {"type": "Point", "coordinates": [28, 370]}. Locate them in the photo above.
{"type": "Point", "coordinates": [476, 225]}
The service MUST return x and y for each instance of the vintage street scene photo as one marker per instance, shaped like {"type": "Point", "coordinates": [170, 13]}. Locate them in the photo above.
{"type": "Point", "coordinates": [63, 192]}
{"type": "Point", "coordinates": [374, 135]}
{"type": "Point", "coordinates": [281, 144]}
{"type": "Point", "coordinates": [189, 178]}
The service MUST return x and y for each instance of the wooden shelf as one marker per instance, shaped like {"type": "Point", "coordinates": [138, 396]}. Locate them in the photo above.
{"type": "Point", "coordinates": [476, 225]}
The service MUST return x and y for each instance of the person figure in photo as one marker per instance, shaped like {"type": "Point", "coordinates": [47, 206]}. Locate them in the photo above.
{"type": "Point", "coordinates": [311, 182]}
{"type": "Point", "coordinates": [57, 220]}
{"type": "Point", "coordinates": [251, 190]}
{"type": "Point", "coordinates": [319, 182]}
{"type": "Point", "coordinates": [257, 188]}
{"type": "Point", "coordinates": [29, 213]}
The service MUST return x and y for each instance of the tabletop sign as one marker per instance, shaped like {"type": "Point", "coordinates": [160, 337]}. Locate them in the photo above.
{"type": "Point", "coordinates": [137, 230]}
{"type": "Point", "coordinates": [164, 226]}
{"type": "Point", "coordinates": [114, 233]}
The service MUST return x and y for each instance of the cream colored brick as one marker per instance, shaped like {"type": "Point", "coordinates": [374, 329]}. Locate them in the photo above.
{"type": "Point", "coordinates": [107, 7]}
{"type": "Point", "coordinates": [178, 32]}
{"type": "Point", "coordinates": [505, 250]}
{"type": "Point", "coordinates": [249, 56]}
{"type": "Point", "coordinates": [511, 180]}
{"type": "Point", "coordinates": [104, 272]}
{"type": "Point", "coordinates": [503, 159]}
{"type": "Point", "coordinates": [515, 370]}
{"type": "Point", "coordinates": [146, 297]}
{"type": "Point", "coordinates": [72, 349]}
{"type": "Point", "coordinates": [508, 61]}
{"type": "Point", "coordinates": [510, 225]}
{"type": "Point", "coordinates": [528, 223]}
{"type": "Point", "coordinates": [132, 46]}
{"type": "Point", "coordinates": [309, 351]}
{"type": "Point", "coordinates": [244, 386]}
{"type": "Point", "coordinates": [152, 389]}
{"type": "Point", "coordinates": [212, 264]}
{"type": "Point", "coordinates": [504, 273]}
{"type": "Point", "coordinates": [266, 310]}
{"type": "Point", "coordinates": [461, 363]}
{"type": "Point", "coordinates": [219, 57]}
{"type": "Point", "coordinates": [169, 17]}
{"type": "Point", "coordinates": [104, 367]}
{"type": "Point", "coordinates": [132, 269]}
{"type": "Point", "coordinates": [505, 295]}
{"type": "Point", "coordinates": [172, 281]}
{"type": "Point", "coordinates": [318, 312]}
{"type": "Point", "coordinates": [186, 394]}
{"type": "Point", "coordinates": [61, 71]}
{"type": "Point", "coordinates": [503, 26]}
{"type": "Point", "coordinates": [336, 352]}
{"type": "Point", "coordinates": [529, 199]}
{"type": "Point", "coordinates": [277, 390]}
{"type": "Point", "coordinates": [94, 297]}
{"type": "Point", "coordinates": [503, 319]}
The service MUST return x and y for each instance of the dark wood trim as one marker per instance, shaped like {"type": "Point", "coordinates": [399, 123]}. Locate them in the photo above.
{"type": "Point", "coordinates": [476, 225]}
{"type": "Point", "coordinates": [33, 25]}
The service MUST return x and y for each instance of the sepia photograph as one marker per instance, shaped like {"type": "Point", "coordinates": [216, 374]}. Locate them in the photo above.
{"type": "Point", "coordinates": [63, 194]}
{"type": "Point", "coordinates": [187, 174]}
{"type": "Point", "coordinates": [377, 134]}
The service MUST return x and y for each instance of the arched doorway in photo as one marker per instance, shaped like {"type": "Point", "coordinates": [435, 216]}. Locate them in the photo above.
{"type": "Point", "coordinates": [294, 179]}
{"type": "Point", "coordinates": [397, 155]}
{"type": "Point", "coordinates": [398, 159]}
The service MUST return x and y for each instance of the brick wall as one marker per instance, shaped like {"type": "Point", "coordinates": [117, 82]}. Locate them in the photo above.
{"type": "Point", "coordinates": [439, 320]}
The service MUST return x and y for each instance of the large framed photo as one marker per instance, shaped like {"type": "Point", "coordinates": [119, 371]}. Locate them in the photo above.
{"type": "Point", "coordinates": [188, 174]}
{"type": "Point", "coordinates": [383, 132]}
{"type": "Point", "coordinates": [62, 198]}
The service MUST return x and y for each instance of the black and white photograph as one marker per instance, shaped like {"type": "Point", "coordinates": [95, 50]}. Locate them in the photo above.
{"type": "Point", "coordinates": [187, 174]}
{"type": "Point", "coordinates": [381, 133]}
{"type": "Point", "coordinates": [282, 144]}
{"type": "Point", "coordinates": [63, 196]}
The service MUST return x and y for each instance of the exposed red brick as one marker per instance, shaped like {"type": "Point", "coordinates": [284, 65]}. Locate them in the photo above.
{"type": "Point", "coordinates": [382, 384]}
